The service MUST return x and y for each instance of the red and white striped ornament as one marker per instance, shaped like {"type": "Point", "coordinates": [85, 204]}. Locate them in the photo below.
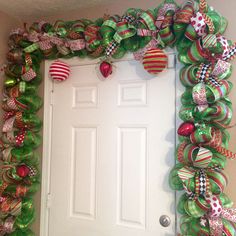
{"type": "Point", "coordinates": [59, 71]}
{"type": "Point", "coordinates": [155, 61]}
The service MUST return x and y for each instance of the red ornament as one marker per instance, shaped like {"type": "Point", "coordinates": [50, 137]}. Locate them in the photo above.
{"type": "Point", "coordinates": [59, 71]}
{"type": "Point", "coordinates": [105, 69]}
{"type": "Point", "coordinates": [22, 171]}
{"type": "Point", "coordinates": [186, 129]}
{"type": "Point", "coordinates": [155, 61]}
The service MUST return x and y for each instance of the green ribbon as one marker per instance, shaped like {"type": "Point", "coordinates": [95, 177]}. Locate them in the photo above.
{"type": "Point", "coordinates": [33, 47]}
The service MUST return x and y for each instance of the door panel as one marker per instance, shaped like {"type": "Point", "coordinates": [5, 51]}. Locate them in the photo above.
{"type": "Point", "coordinates": [112, 149]}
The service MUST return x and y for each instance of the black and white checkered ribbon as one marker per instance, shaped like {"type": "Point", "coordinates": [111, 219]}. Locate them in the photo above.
{"type": "Point", "coordinates": [203, 72]}
{"type": "Point", "coordinates": [202, 183]}
{"type": "Point", "coordinates": [231, 54]}
{"type": "Point", "coordinates": [111, 48]}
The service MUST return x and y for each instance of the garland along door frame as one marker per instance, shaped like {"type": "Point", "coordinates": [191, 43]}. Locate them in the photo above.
{"type": "Point", "coordinates": [50, 88]}
{"type": "Point", "coordinates": [196, 30]}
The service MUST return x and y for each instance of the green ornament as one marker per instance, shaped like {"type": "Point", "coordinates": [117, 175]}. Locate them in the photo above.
{"type": "Point", "coordinates": [10, 82]}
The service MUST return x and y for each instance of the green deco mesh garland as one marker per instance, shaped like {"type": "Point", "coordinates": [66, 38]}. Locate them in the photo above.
{"type": "Point", "coordinates": [195, 29]}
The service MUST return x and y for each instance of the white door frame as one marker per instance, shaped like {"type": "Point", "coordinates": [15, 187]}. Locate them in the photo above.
{"type": "Point", "coordinates": [47, 128]}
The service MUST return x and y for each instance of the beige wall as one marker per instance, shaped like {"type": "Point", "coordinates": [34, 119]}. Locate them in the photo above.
{"type": "Point", "coordinates": [118, 7]}
{"type": "Point", "coordinates": [7, 23]}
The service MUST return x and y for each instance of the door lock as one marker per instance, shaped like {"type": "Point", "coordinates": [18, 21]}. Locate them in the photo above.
{"type": "Point", "coordinates": [165, 220]}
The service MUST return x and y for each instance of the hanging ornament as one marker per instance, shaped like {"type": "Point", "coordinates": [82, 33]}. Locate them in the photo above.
{"type": "Point", "coordinates": [186, 129]}
{"type": "Point", "coordinates": [155, 61]}
{"type": "Point", "coordinates": [22, 171]}
{"type": "Point", "coordinates": [105, 69]}
{"type": "Point", "coordinates": [59, 71]}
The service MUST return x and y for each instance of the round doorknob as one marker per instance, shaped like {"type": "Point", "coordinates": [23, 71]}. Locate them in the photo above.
{"type": "Point", "coordinates": [165, 221]}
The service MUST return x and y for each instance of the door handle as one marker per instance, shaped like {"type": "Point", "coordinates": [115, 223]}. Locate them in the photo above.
{"type": "Point", "coordinates": [165, 220]}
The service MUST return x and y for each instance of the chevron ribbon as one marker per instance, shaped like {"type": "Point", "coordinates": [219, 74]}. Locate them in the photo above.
{"type": "Point", "coordinates": [209, 23]}
{"type": "Point", "coordinates": [202, 6]}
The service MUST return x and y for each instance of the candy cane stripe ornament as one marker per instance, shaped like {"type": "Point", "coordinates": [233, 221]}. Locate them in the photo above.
{"type": "Point", "coordinates": [155, 61]}
{"type": "Point", "coordinates": [59, 71]}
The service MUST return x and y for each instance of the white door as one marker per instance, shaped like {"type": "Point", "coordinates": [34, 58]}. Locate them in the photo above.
{"type": "Point", "coordinates": [112, 147]}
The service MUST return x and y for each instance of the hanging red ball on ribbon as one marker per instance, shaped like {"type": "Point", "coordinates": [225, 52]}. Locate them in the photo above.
{"type": "Point", "coordinates": [155, 61]}
{"type": "Point", "coordinates": [105, 69]}
{"type": "Point", "coordinates": [59, 71]}
{"type": "Point", "coordinates": [186, 129]}
{"type": "Point", "coordinates": [22, 171]}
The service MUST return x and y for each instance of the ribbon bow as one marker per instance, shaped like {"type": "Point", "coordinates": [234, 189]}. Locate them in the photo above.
{"type": "Point", "coordinates": [217, 213]}
{"type": "Point", "coordinates": [123, 30]}
{"type": "Point", "coordinates": [186, 153]}
{"type": "Point", "coordinates": [152, 25]}
{"type": "Point", "coordinates": [202, 184]}
{"type": "Point", "coordinates": [208, 80]}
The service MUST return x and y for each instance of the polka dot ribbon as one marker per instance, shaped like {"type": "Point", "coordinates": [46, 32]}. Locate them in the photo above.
{"type": "Point", "coordinates": [19, 138]}
{"type": "Point", "coordinates": [199, 22]}
{"type": "Point", "coordinates": [217, 213]}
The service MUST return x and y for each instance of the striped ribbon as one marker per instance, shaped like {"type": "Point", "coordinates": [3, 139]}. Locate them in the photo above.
{"type": "Point", "coordinates": [199, 157]}
{"type": "Point", "coordinates": [92, 36]}
{"type": "Point", "coordinates": [123, 31]}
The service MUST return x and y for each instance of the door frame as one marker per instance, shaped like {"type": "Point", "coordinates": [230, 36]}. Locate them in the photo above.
{"type": "Point", "coordinates": [48, 126]}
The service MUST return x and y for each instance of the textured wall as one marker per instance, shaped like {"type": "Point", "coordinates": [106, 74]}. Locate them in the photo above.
{"type": "Point", "coordinates": [118, 7]}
